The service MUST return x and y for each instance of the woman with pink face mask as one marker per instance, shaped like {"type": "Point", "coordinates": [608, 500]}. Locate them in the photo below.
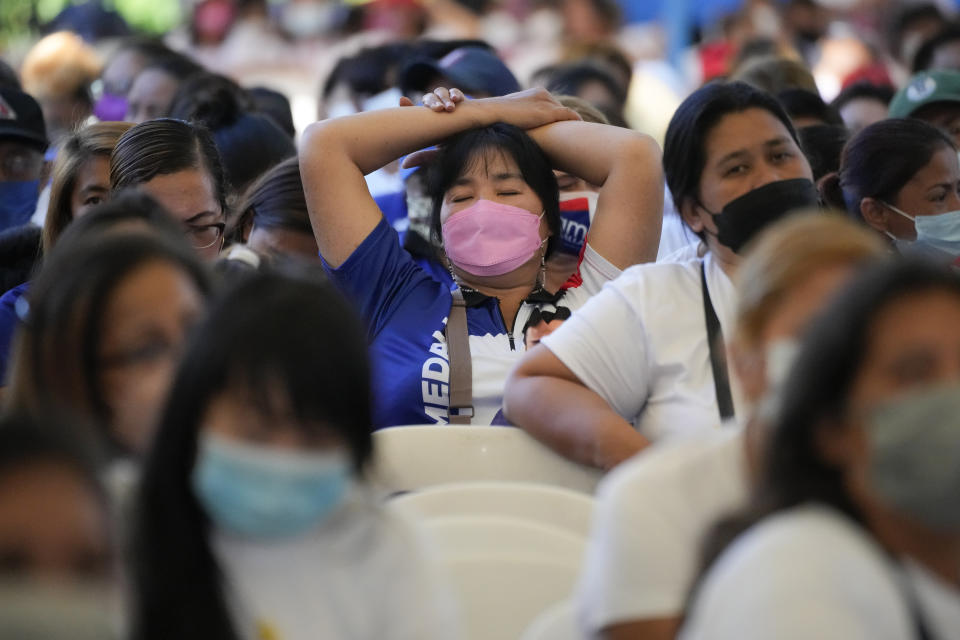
{"type": "Point", "coordinates": [442, 355]}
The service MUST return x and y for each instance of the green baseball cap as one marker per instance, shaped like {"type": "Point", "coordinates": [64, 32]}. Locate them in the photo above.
{"type": "Point", "coordinates": [925, 88]}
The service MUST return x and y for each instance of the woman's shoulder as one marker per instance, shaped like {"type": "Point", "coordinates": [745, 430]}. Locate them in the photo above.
{"type": "Point", "coordinates": [806, 572]}
{"type": "Point", "coordinates": [650, 285]}
{"type": "Point", "coordinates": [812, 552]}
{"type": "Point", "coordinates": [805, 538]}
{"type": "Point", "coordinates": [666, 272]}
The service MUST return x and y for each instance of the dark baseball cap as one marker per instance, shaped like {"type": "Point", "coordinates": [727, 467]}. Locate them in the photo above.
{"type": "Point", "coordinates": [21, 118]}
{"type": "Point", "coordinates": [472, 69]}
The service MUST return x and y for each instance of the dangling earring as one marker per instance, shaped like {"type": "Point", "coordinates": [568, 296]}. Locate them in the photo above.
{"type": "Point", "coordinates": [542, 274]}
{"type": "Point", "coordinates": [453, 276]}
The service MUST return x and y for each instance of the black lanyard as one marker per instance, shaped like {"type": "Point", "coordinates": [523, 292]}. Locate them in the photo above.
{"type": "Point", "coordinates": [718, 354]}
{"type": "Point", "coordinates": [920, 629]}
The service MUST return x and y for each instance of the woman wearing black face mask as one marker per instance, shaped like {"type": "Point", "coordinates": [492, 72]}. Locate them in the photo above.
{"type": "Point", "coordinates": [645, 358]}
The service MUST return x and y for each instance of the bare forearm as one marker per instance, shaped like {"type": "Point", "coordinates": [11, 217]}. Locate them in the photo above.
{"type": "Point", "coordinates": [593, 151]}
{"type": "Point", "coordinates": [627, 166]}
{"type": "Point", "coordinates": [579, 424]}
{"type": "Point", "coordinates": [373, 139]}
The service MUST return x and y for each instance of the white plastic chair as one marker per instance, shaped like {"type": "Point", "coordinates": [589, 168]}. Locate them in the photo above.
{"type": "Point", "coordinates": [489, 536]}
{"type": "Point", "coordinates": [413, 457]}
{"type": "Point", "coordinates": [564, 508]}
{"type": "Point", "coordinates": [500, 596]}
{"type": "Point", "coordinates": [557, 622]}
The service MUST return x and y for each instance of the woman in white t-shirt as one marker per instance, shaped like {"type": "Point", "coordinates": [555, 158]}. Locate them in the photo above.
{"type": "Point", "coordinates": [254, 518]}
{"type": "Point", "coordinates": [856, 515]}
{"type": "Point", "coordinates": [636, 363]}
{"type": "Point", "coordinates": [654, 511]}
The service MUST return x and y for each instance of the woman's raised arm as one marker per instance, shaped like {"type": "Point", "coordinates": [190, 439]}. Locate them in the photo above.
{"type": "Point", "coordinates": [336, 154]}
{"type": "Point", "coordinates": [628, 168]}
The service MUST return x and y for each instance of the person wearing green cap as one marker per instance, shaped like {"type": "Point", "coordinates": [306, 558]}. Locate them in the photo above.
{"type": "Point", "coordinates": [931, 96]}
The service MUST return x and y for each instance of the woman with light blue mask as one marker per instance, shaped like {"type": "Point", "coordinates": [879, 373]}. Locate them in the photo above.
{"type": "Point", "coordinates": [901, 177]}
{"type": "Point", "coordinates": [254, 519]}
{"type": "Point", "coordinates": [853, 530]}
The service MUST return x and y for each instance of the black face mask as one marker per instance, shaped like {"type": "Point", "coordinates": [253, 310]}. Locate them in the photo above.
{"type": "Point", "coordinates": [748, 215]}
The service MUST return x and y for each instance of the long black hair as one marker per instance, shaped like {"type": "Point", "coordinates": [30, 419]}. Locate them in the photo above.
{"type": "Point", "coordinates": [269, 332]}
{"type": "Point", "coordinates": [684, 148]}
{"type": "Point", "coordinates": [56, 355]}
{"type": "Point", "coordinates": [459, 152]}
{"type": "Point", "coordinates": [880, 160]}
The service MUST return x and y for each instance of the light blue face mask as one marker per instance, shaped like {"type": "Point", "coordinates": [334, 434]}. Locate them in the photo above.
{"type": "Point", "coordinates": [914, 452]}
{"type": "Point", "coordinates": [941, 231]}
{"type": "Point", "coordinates": [18, 201]}
{"type": "Point", "coordinates": [259, 492]}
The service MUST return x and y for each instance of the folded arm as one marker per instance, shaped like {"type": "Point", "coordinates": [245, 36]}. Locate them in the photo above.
{"type": "Point", "coordinates": [579, 425]}
{"type": "Point", "coordinates": [337, 153]}
{"type": "Point", "coordinates": [627, 166]}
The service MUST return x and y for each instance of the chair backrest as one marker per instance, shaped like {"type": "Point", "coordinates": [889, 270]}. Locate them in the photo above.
{"type": "Point", "coordinates": [564, 508]}
{"type": "Point", "coordinates": [412, 457]}
{"type": "Point", "coordinates": [500, 596]}
{"type": "Point", "coordinates": [493, 536]}
{"type": "Point", "coordinates": [557, 622]}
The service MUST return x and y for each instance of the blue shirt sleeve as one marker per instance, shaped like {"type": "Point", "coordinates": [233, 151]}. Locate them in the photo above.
{"type": "Point", "coordinates": [382, 279]}
{"type": "Point", "coordinates": [9, 321]}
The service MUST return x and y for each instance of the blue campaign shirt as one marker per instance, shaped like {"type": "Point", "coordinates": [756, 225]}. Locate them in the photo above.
{"type": "Point", "coordinates": [406, 311]}
{"type": "Point", "coordinates": [9, 321]}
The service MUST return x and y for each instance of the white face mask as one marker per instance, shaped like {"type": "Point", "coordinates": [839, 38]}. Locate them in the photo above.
{"type": "Point", "coordinates": [778, 359]}
{"type": "Point", "coordinates": [941, 231]}
{"type": "Point", "coordinates": [780, 356]}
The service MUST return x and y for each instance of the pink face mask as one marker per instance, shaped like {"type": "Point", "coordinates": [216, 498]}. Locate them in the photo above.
{"type": "Point", "coordinates": [491, 239]}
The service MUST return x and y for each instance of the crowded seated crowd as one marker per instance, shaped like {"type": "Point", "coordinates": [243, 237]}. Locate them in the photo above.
{"type": "Point", "coordinates": [523, 321]}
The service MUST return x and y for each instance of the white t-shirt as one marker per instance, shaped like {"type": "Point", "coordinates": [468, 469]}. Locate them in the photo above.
{"type": "Point", "coordinates": [367, 574]}
{"type": "Point", "coordinates": [811, 572]}
{"type": "Point", "coordinates": [651, 517]}
{"type": "Point", "coordinates": [641, 344]}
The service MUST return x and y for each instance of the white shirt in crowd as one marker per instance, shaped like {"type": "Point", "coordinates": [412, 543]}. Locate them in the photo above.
{"type": "Point", "coordinates": [811, 572]}
{"type": "Point", "coordinates": [641, 344]}
{"type": "Point", "coordinates": [367, 574]}
{"type": "Point", "coordinates": [651, 517]}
